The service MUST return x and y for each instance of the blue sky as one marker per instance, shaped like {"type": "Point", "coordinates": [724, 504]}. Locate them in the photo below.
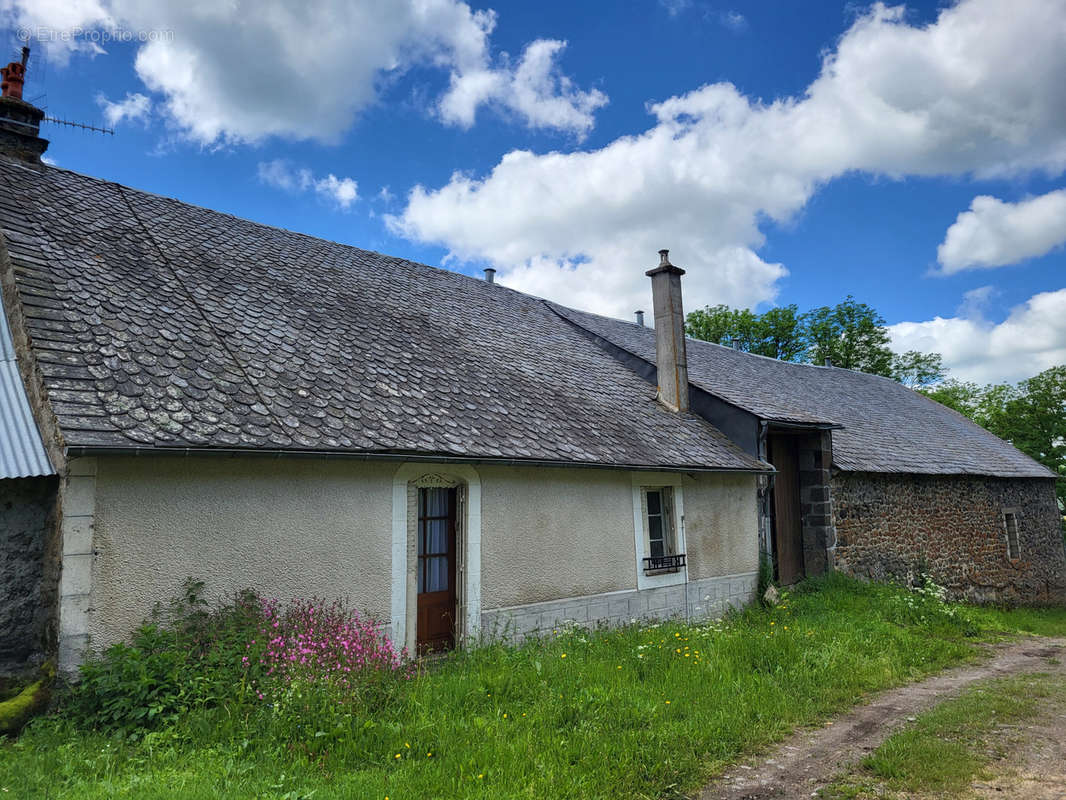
{"type": "Point", "coordinates": [784, 152]}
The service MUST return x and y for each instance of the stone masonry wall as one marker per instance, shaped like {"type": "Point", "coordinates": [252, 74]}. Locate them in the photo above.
{"type": "Point", "coordinates": [815, 454]}
{"type": "Point", "coordinates": [28, 567]}
{"type": "Point", "coordinates": [891, 526]}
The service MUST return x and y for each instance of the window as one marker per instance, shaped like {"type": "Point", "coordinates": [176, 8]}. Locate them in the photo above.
{"type": "Point", "coordinates": [660, 552]}
{"type": "Point", "coordinates": [436, 523]}
{"type": "Point", "coordinates": [658, 523]}
{"type": "Point", "coordinates": [1010, 522]}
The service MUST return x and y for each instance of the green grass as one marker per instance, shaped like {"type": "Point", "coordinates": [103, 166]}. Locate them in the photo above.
{"type": "Point", "coordinates": [642, 713]}
{"type": "Point", "coordinates": [946, 748]}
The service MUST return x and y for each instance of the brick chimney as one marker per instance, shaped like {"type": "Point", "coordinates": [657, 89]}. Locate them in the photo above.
{"type": "Point", "coordinates": [20, 122]}
{"type": "Point", "coordinates": [670, 357]}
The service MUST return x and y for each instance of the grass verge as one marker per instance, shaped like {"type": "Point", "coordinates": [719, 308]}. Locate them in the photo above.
{"type": "Point", "coordinates": [950, 746]}
{"type": "Point", "coordinates": [645, 711]}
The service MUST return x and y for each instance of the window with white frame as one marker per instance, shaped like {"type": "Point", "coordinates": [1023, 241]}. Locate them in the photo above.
{"type": "Point", "coordinates": [1010, 523]}
{"type": "Point", "coordinates": [660, 531]}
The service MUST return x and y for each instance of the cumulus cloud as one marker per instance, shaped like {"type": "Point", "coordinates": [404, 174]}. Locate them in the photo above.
{"type": "Point", "coordinates": [228, 72]}
{"type": "Point", "coordinates": [135, 108]}
{"type": "Point", "coordinates": [995, 234]}
{"type": "Point", "coordinates": [534, 89]}
{"type": "Point", "coordinates": [1031, 339]}
{"type": "Point", "coordinates": [281, 174]}
{"type": "Point", "coordinates": [977, 92]}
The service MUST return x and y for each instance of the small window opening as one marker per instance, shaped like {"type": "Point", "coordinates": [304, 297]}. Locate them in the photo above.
{"type": "Point", "coordinates": [1010, 520]}
{"type": "Point", "coordinates": [661, 555]}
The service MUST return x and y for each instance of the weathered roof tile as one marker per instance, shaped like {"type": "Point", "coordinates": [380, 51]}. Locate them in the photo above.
{"type": "Point", "coordinates": [886, 426]}
{"type": "Point", "coordinates": [181, 327]}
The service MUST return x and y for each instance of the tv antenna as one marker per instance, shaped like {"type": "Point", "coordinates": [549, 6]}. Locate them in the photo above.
{"type": "Point", "coordinates": [69, 123]}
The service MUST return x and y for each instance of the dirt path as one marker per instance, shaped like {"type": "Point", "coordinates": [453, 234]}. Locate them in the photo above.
{"type": "Point", "coordinates": [1035, 769]}
{"type": "Point", "coordinates": [809, 759]}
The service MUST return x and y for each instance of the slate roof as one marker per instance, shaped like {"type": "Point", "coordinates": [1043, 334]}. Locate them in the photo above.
{"type": "Point", "coordinates": [163, 325]}
{"type": "Point", "coordinates": [886, 426]}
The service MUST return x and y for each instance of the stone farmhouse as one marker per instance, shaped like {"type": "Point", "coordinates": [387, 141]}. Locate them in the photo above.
{"type": "Point", "coordinates": [185, 393]}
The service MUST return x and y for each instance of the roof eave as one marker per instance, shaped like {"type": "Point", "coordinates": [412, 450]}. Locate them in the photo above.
{"type": "Point", "coordinates": [87, 451]}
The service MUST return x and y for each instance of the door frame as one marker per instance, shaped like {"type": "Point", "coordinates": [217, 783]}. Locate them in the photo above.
{"type": "Point", "coordinates": [792, 470]}
{"type": "Point", "coordinates": [404, 605]}
{"type": "Point", "coordinates": [447, 600]}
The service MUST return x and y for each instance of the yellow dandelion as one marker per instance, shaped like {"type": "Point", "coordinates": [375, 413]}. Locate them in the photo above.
{"type": "Point", "coordinates": [563, 655]}
{"type": "Point", "coordinates": [505, 716]}
{"type": "Point", "coordinates": [668, 702]}
{"type": "Point", "coordinates": [429, 755]}
{"type": "Point", "coordinates": [407, 745]}
{"type": "Point", "coordinates": [397, 755]}
{"type": "Point", "coordinates": [482, 775]}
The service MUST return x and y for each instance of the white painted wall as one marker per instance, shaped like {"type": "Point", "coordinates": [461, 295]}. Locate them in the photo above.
{"type": "Point", "coordinates": [339, 529]}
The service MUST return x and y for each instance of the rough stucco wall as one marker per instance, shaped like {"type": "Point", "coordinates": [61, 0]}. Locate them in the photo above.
{"type": "Point", "coordinates": [721, 525]}
{"type": "Point", "coordinates": [551, 533]}
{"type": "Point", "coordinates": [286, 527]}
{"type": "Point", "coordinates": [889, 526]}
{"type": "Point", "coordinates": [555, 533]}
{"type": "Point", "coordinates": [27, 585]}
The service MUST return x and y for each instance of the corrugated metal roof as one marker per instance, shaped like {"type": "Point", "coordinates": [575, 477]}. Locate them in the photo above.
{"type": "Point", "coordinates": [22, 452]}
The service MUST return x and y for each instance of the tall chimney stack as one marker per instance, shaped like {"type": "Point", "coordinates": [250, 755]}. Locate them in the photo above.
{"type": "Point", "coordinates": [640, 318]}
{"type": "Point", "coordinates": [20, 122]}
{"type": "Point", "coordinates": [670, 357]}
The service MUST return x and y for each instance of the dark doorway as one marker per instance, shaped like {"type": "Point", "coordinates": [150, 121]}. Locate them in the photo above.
{"type": "Point", "coordinates": [436, 569]}
{"type": "Point", "coordinates": [783, 452]}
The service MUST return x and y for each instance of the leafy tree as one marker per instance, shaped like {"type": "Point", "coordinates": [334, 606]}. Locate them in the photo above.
{"type": "Point", "coordinates": [851, 335]}
{"type": "Point", "coordinates": [963, 396]}
{"type": "Point", "coordinates": [1031, 415]}
{"type": "Point", "coordinates": [777, 333]}
{"type": "Point", "coordinates": [916, 369]}
{"type": "Point", "coordinates": [781, 334]}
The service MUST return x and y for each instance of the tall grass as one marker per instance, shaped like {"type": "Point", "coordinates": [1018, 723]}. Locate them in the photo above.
{"type": "Point", "coordinates": [644, 711]}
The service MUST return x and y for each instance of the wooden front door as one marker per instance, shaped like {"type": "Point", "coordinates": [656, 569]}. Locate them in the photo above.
{"type": "Point", "coordinates": [787, 523]}
{"type": "Point", "coordinates": [436, 569]}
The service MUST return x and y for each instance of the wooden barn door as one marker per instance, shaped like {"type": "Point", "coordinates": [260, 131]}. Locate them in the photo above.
{"type": "Point", "coordinates": [436, 569]}
{"type": "Point", "coordinates": [787, 524]}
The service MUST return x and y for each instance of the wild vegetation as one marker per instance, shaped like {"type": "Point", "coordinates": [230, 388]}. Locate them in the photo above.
{"type": "Point", "coordinates": [191, 707]}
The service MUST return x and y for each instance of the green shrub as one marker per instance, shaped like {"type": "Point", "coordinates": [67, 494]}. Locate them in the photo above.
{"type": "Point", "coordinates": [290, 666]}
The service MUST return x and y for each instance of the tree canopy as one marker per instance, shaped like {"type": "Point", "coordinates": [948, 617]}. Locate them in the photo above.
{"type": "Point", "coordinates": [850, 334]}
{"type": "Point", "coordinates": [1031, 415]}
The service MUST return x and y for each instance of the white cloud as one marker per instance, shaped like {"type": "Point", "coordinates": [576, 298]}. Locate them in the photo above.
{"type": "Point", "coordinates": [977, 92]}
{"type": "Point", "coordinates": [281, 174]}
{"type": "Point", "coordinates": [236, 73]}
{"type": "Point", "coordinates": [994, 233]}
{"type": "Point", "coordinates": [675, 7]}
{"type": "Point", "coordinates": [734, 20]}
{"type": "Point", "coordinates": [1031, 339]}
{"type": "Point", "coordinates": [534, 89]}
{"type": "Point", "coordinates": [135, 108]}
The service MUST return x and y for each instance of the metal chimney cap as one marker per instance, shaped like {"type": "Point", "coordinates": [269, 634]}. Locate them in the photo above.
{"type": "Point", "coordinates": [640, 317]}
{"type": "Point", "coordinates": [490, 275]}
